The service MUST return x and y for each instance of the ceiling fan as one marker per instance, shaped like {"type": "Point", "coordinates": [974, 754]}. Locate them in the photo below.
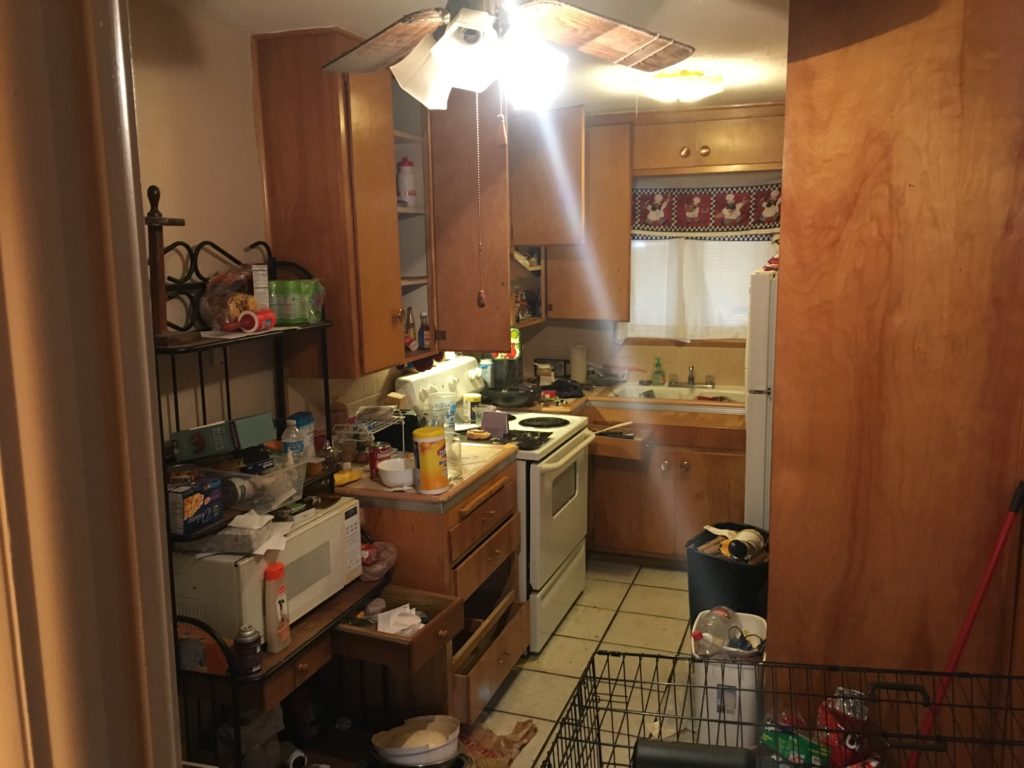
{"type": "Point", "coordinates": [469, 43]}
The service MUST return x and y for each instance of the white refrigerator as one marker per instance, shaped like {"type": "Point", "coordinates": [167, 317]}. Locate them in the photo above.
{"type": "Point", "coordinates": [760, 371]}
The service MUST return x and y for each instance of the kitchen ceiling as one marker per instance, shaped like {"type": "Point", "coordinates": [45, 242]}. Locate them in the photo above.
{"type": "Point", "coordinates": [744, 41]}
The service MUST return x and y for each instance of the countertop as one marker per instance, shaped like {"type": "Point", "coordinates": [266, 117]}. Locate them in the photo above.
{"type": "Point", "coordinates": [478, 460]}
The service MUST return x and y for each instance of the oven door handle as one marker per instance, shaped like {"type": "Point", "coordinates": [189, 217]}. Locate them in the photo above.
{"type": "Point", "coordinates": [544, 467]}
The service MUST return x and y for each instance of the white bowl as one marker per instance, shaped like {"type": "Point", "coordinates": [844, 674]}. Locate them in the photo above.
{"type": "Point", "coordinates": [396, 472]}
{"type": "Point", "coordinates": [420, 741]}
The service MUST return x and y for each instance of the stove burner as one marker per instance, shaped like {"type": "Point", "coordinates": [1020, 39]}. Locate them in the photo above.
{"type": "Point", "coordinates": [544, 422]}
{"type": "Point", "coordinates": [525, 440]}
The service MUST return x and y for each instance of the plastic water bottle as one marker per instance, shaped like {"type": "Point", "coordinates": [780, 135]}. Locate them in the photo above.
{"type": "Point", "coordinates": [717, 631]}
{"type": "Point", "coordinates": [293, 443]}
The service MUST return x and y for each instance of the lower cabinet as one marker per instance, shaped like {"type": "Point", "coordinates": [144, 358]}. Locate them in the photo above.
{"type": "Point", "coordinates": [466, 551]}
{"type": "Point", "coordinates": [652, 502]}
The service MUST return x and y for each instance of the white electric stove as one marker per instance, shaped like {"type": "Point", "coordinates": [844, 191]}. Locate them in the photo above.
{"type": "Point", "coordinates": [552, 478]}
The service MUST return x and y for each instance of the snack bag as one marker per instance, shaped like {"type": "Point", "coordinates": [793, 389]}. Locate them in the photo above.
{"type": "Point", "coordinates": [845, 717]}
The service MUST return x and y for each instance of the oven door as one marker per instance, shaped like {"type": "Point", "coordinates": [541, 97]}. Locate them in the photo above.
{"type": "Point", "coordinates": [557, 507]}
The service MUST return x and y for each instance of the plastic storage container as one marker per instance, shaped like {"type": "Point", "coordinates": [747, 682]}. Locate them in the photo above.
{"type": "Point", "coordinates": [261, 493]}
{"type": "Point", "coordinates": [715, 580]}
{"type": "Point", "coordinates": [726, 695]}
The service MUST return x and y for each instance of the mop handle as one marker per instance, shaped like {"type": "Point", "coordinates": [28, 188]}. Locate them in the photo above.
{"type": "Point", "coordinates": [1016, 505]}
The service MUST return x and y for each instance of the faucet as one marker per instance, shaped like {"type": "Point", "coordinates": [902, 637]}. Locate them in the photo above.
{"type": "Point", "coordinates": [691, 376]}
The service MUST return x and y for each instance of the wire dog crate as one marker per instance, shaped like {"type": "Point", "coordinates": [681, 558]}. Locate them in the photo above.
{"type": "Point", "coordinates": [775, 714]}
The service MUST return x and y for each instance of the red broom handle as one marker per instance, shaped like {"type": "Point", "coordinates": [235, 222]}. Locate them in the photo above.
{"type": "Point", "coordinates": [1016, 504]}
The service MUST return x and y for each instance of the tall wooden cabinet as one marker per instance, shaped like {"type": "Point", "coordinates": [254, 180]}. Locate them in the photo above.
{"type": "Point", "coordinates": [591, 281]}
{"type": "Point", "coordinates": [331, 145]}
{"type": "Point", "coordinates": [899, 369]}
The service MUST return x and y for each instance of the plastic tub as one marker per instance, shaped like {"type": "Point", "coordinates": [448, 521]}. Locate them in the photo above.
{"type": "Point", "coordinates": [726, 695]}
{"type": "Point", "coordinates": [261, 493]}
{"type": "Point", "coordinates": [427, 740]}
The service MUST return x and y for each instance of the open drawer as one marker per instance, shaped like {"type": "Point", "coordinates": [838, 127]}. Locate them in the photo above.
{"type": "Point", "coordinates": [396, 651]}
{"type": "Point", "coordinates": [631, 449]}
{"type": "Point", "coordinates": [488, 656]}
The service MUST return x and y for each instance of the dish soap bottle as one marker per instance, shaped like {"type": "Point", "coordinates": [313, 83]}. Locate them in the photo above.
{"type": "Point", "coordinates": [658, 374]}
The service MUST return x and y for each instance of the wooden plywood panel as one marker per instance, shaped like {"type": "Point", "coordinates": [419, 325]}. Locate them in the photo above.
{"type": "Point", "coordinates": [458, 273]}
{"type": "Point", "coordinates": [375, 220]}
{"type": "Point", "coordinates": [591, 282]}
{"type": "Point", "coordinates": [308, 208]}
{"type": "Point", "coordinates": [739, 142]}
{"type": "Point", "coordinates": [900, 357]}
{"type": "Point", "coordinates": [546, 177]}
{"type": "Point", "coordinates": [669, 146]}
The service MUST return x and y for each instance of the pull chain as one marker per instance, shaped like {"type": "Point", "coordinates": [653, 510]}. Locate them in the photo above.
{"type": "Point", "coordinates": [481, 297]}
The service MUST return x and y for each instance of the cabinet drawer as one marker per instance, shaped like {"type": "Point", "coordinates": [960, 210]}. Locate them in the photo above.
{"type": "Point", "coordinates": [634, 449]}
{"type": "Point", "coordinates": [472, 571]}
{"type": "Point", "coordinates": [482, 670]}
{"type": "Point", "coordinates": [482, 513]}
{"type": "Point", "coordinates": [296, 672]}
{"type": "Point", "coordinates": [410, 653]}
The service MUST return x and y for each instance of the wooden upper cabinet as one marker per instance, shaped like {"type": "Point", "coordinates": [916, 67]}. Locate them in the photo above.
{"type": "Point", "coordinates": [330, 191]}
{"type": "Point", "coordinates": [546, 176]}
{"type": "Point", "coordinates": [668, 145]}
{"type": "Point", "coordinates": [705, 141]}
{"type": "Point", "coordinates": [740, 141]}
{"type": "Point", "coordinates": [591, 282]}
{"type": "Point", "coordinates": [371, 147]}
{"type": "Point", "coordinates": [460, 269]}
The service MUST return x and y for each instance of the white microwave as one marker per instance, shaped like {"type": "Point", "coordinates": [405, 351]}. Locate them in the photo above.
{"type": "Point", "coordinates": [322, 555]}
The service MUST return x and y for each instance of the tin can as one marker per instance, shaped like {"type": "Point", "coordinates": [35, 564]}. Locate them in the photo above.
{"type": "Point", "coordinates": [252, 321]}
{"type": "Point", "coordinates": [376, 454]}
{"type": "Point", "coordinates": [431, 460]}
{"type": "Point", "coordinates": [248, 658]}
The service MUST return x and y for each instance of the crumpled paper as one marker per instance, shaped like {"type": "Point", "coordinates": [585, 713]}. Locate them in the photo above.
{"type": "Point", "coordinates": [402, 620]}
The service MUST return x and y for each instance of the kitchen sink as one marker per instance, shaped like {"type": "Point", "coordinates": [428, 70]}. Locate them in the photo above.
{"type": "Point", "coordinates": [698, 394]}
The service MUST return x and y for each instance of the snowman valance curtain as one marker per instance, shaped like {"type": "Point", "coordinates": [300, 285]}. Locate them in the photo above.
{"type": "Point", "coordinates": [720, 213]}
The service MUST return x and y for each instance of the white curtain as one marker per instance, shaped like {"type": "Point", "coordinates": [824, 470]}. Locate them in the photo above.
{"type": "Point", "coordinates": [686, 289]}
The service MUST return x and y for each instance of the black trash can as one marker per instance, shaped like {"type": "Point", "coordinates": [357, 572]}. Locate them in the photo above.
{"type": "Point", "coordinates": [716, 580]}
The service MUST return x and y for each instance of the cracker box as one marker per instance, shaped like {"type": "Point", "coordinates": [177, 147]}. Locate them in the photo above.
{"type": "Point", "coordinates": [192, 506]}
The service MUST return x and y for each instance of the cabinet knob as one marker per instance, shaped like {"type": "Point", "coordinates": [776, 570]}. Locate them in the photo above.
{"type": "Point", "coordinates": [684, 152]}
{"type": "Point", "coordinates": [704, 150]}
{"type": "Point", "coordinates": [302, 667]}
{"type": "Point", "coordinates": [665, 465]}
{"type": "Point", "coordinates": [399, 314]}
{"type": "Point", "coordinates": [685, 466]}
{"type": "Point", "coordinates": [442, 633]}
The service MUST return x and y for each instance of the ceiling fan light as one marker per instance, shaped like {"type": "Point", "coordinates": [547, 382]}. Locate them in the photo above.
{"type": "Point", "coordinates": [419, 75]}
{"type": "Point", "coordinates": [534, 73]}
{"type": "Point", "coordinates": [467, 55]}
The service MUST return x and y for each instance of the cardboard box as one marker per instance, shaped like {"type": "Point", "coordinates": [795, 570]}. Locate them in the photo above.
{"type": "Point", "coordinates": [192, 506]}
{"type": "Point", "coordinates": [223, 437]}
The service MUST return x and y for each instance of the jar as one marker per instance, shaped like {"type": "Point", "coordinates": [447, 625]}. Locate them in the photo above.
{"type": "Point", "coordinates": [376, 454]}
{"type": "Point", "coordinates": [471, 407]}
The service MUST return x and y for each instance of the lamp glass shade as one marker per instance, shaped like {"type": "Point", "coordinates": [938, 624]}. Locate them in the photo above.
{"type": "Point", "coordinates": [419, 75]}
{"type": "Point", "coordinates": [471, 66]}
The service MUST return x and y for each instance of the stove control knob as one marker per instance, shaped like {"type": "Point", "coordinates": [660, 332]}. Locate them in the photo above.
{"type": "Point", "coordinates": [432, 388]}
{"type": "Point", "coordinates": [422, 394]}
{"type": "Point", "coordinates": [476, 374]}
{"type": "Point", "coordinates": [453, 384]}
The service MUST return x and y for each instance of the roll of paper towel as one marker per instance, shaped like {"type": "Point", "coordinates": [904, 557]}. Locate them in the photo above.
{"type": "Point", "coordinates": [578, 363]}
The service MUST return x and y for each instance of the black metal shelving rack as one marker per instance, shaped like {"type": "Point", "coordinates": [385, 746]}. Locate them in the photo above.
{"type": "Point", "coordinates": [188, 290]}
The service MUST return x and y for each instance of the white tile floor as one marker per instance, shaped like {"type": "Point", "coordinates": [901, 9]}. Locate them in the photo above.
{"type": "Point", "coordinates": [623, 608]}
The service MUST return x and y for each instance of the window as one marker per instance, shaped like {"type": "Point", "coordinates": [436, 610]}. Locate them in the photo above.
{"type": "Point", "coordinates": [685, 289]}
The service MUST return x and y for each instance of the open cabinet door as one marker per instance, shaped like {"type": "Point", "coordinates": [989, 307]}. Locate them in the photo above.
{"type": "Point", "coordinates": [459, 268]}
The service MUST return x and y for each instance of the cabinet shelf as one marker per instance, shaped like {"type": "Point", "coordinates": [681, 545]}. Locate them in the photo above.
{"type": "Point", "coordinates": [419, 354]}
{"type": "Point", "coordinates": [216, 343]}
{"type": "Point", "coordinates": [402, 212]}
{"type": "Point", "coordinates": [415, 282]}
{"type": "Point", "coordinates": [407, 137]}
{"type": "Point", "coordinates": [528, 321]}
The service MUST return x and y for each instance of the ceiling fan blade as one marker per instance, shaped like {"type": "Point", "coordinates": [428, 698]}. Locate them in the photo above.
{"type": "Point", "coordinates": [391, 44]}
{"type": "Point", "coordinates": [599, 36]}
